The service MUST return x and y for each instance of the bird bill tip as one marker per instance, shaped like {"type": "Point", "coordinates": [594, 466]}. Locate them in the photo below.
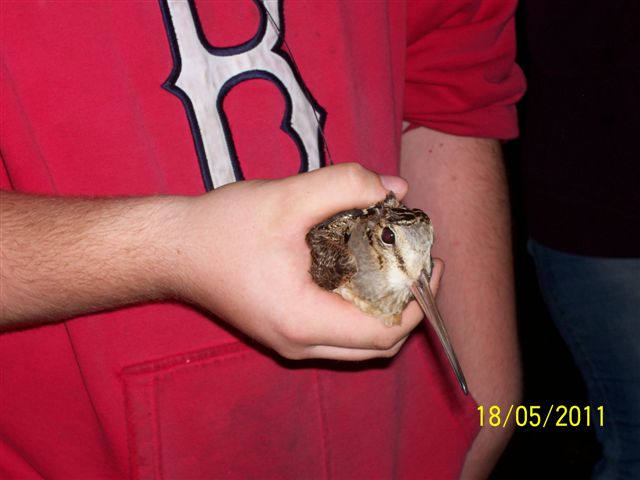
{"type": "Point", "coordinates": [422, 293]}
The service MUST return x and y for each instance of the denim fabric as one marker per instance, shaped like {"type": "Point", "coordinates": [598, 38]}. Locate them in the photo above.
{"type": "Point", "coordinates": [595, 304]}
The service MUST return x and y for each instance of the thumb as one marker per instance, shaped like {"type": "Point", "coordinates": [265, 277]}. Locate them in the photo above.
{"type": "Point", "coordinates": [436, 275]}
{"type": "Point", "coordinates": [341, 187]}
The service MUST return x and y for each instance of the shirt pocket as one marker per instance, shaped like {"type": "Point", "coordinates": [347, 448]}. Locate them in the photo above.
{"type": "Point", "coordinates": [225, 412]}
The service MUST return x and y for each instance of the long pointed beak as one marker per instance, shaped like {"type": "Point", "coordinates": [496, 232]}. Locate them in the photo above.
{"type": "Point", "coordinates": [422, 292]}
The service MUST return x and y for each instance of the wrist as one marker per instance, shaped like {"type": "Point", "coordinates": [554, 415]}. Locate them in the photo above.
{"type": "Point", "coordinates": [164, 245]}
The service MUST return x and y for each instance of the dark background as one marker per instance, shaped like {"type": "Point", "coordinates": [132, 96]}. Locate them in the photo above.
{"type": "Point", "coordinates": [550, 376]}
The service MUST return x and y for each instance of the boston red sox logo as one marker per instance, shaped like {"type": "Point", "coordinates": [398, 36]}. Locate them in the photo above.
{"type": "Point", "coordinates": [204, 74]}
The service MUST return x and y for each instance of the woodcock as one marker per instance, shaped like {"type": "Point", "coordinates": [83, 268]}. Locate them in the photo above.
{"type": "Point", "coordinates": [379, 258]}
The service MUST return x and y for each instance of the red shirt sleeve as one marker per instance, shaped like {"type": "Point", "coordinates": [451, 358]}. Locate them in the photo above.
{"type": "Point", "coordinates": [5, 182]}
{"type": "Point", "coordinates": [461, 73]}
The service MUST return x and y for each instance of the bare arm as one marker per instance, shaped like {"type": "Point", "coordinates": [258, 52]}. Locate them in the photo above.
{"type": "Point", "coordinates": [238, 252]}
{"type": "Point", "coordinates": [66, 256]}
{"type": "Point", "coordinates": [460, 182]}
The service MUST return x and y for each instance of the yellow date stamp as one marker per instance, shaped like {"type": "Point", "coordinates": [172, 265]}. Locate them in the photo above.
{"type": "Point", "coordinates": [538, 416]}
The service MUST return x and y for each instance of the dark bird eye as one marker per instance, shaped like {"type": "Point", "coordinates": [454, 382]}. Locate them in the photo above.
{"type": "Point", "coordinates": [388, 236]}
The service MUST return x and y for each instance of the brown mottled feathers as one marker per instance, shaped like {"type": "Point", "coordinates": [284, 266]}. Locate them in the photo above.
{"type": "Point", "coordinates": [332, 263]}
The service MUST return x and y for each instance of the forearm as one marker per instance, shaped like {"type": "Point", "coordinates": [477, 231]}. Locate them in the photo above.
{"type": "Point", "coordinates": [238, 252]}
{"type": "Point", "coordinates": [460, 182]}
{"type": "Point", "coordinates": [66, 256]}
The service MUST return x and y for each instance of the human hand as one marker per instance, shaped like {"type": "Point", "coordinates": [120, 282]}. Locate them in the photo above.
{"type": "Point", "coordinates": [246, 260]}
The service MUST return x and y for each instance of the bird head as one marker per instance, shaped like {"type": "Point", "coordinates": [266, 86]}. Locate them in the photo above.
{"type": "Point", "coordinates": [398, 240]}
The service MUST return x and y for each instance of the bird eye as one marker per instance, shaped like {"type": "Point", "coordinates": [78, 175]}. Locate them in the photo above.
{"type": "Point", "coordinates": [388, 236]}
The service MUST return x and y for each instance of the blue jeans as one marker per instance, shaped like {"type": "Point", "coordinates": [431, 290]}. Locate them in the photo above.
{"type": "Point", "coordinates": [595, 304]}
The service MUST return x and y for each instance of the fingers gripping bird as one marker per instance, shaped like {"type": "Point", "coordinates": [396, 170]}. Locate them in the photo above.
{"type": "Point", "coordinates": [379, 258]}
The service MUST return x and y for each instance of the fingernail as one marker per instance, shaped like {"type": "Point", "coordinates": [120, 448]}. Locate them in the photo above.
{"type": "Point", "coordinates": [397, 185]}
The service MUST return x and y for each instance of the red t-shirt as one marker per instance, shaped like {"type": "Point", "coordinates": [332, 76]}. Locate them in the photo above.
{"type": "Point", "coordinates": [136, 98]}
